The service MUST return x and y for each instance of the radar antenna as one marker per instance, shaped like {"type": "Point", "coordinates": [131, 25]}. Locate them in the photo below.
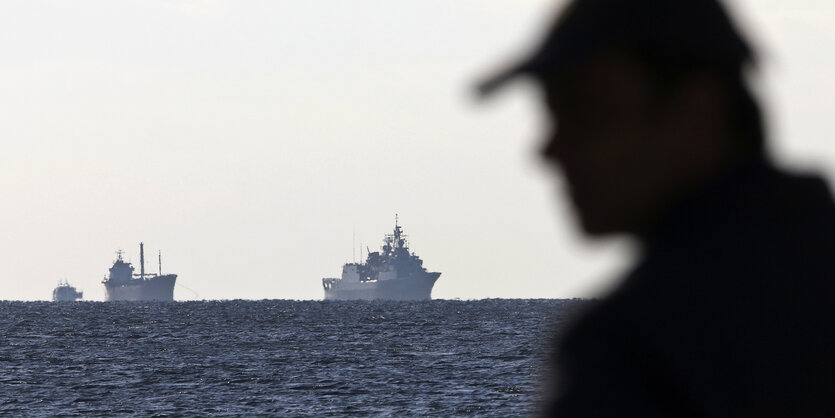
{"type": "Point", "coordinates": [397, 231]}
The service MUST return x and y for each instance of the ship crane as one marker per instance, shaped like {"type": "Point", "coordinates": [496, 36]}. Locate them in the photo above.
{"type": "Point", "coordinates": [142, 261]}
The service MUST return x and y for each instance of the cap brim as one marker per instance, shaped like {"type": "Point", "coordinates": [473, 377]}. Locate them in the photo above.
{"type": "Point", "coordinates": [493, 84]}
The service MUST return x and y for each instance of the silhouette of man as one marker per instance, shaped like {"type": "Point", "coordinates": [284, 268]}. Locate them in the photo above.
{"type": "Point", "coordinates": [729, 310]}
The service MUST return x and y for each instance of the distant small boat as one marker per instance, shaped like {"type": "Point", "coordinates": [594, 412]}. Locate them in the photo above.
{"type": "Point", "coordinates": [66, 293]}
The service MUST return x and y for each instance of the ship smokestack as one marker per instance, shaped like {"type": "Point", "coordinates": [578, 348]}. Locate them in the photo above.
{"type": "Point", "coordinates": [142, 260]}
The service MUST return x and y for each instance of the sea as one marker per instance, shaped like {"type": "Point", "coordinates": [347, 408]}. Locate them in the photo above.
{"type": "Point", "coordinates": [278, 358]}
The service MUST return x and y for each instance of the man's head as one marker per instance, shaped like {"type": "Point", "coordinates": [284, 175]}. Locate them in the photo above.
{"type": "Point", "coordinates": [647, 102]}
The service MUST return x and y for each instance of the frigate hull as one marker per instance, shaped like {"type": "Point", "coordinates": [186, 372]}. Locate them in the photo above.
{"type": "Point", "coordinates": [411, 288]}
{"type": "Point", "coordinates": [159, 288]}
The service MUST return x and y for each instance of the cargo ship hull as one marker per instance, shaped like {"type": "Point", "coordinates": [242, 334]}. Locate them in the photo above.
{"type": "Point", "coordinates": [158, 288]}
{"type": "Point", "coordinates": [412, 288]}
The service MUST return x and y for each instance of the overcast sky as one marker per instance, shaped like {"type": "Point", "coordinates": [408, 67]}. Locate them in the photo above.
{"type": "Point", "coordinates": [250, 140]}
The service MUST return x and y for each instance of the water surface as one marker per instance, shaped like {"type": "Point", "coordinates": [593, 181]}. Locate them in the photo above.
{"type": "Point", "coordinates": [274, 357]}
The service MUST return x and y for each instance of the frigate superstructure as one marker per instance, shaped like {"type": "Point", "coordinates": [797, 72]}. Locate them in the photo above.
{"type": "Point", "coordinates": [393, 273]}
{"type": "Point", "coordinates": [66, 293]}
{"type": "Point", "coordinates": [123, 284]}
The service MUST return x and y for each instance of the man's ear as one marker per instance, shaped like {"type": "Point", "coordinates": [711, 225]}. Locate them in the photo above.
{"type": "Point", "coordinates": [696, 114]}
{"type": "Point", "coordinates": [692, 135]}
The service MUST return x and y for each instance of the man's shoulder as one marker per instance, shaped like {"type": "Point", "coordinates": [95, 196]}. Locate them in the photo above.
{"type": "Point", "coordinates": [764, 229]}
{"type": "Point", "coordinates": [717, 348]}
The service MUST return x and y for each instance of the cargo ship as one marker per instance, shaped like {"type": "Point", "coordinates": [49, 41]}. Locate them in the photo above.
{"type": "Point", "coordinates": [393, 273]}
{"type": "Point", "coordinates": [66, 293]}
{"type": "Point", "coordinates": [123, 284]}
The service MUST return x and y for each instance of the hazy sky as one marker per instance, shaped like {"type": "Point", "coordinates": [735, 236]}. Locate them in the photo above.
{"type": "Point", "coordinates": [250, 139]}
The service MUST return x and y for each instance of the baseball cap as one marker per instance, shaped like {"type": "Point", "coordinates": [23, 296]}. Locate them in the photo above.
{"type": "Point", "coordinates": [694, 34]}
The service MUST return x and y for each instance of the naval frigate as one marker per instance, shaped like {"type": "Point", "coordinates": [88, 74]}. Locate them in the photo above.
{"type": "Point", "coordinates": [123, 284]}
{"type": "Point", "coordinates": [393, 273]}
